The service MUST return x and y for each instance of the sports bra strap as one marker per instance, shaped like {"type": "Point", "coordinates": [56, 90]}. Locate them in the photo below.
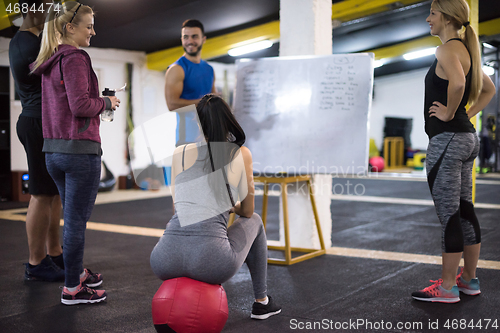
{"type": "Point", "coordinates": [183, 151]}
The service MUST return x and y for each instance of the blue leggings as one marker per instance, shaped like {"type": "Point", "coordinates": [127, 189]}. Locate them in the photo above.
{"type": "Point", "coordinates": [77, 179]}
{"type": "Point", "coordinates": [449, 162]}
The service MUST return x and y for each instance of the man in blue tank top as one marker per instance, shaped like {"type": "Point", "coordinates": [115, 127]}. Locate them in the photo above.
{"type": "Point", "coordinates": [188, 80]}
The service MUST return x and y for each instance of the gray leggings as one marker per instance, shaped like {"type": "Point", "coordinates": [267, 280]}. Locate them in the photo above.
{"type": "Point", "coordinates": [215, 259]}
{"type": "Point", "coordinates": [449, 162]}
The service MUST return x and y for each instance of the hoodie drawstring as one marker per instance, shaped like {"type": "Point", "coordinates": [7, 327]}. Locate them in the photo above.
{"type": "Point", "coordinates": [60, 68]}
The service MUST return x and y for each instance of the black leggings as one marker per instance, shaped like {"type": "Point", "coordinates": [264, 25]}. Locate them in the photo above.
{"type": "Point", "coordinates": [449, 162]}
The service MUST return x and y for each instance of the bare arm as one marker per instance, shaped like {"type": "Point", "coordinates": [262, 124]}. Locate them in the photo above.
{"type": "Point", "coordinates": [214, 91]}
{"type": "Point", "coordinates": [484, 98]}
{"type": "Point", "coordinates": [173, 173]}
{"type": "Point", "coordinates": [450, 63]}
{"type": "Point", "coordinates": [176, 169]}
{"type": "Point", "coordinates": [247, 206]}
{"type": "Point", "coordinates": [174, 84]}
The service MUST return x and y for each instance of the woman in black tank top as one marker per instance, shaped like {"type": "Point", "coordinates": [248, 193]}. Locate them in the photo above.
{"type": "Point", "coordinates": [454, 79]}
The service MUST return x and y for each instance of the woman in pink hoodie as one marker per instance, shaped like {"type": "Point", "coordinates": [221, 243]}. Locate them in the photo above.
{"type": "Point", "coordinates": [70, 111]}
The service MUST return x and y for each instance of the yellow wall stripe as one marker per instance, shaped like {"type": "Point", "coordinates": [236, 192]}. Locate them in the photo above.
{"type": "Point", "coordinates": [97, 226]}
{"type": "Point", "coordinates": [399, 256]}
{"type": "Point", "coordinates": [124, 229]}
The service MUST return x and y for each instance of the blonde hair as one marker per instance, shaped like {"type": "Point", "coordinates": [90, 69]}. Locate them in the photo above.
{"type": "Point", "coordinates": [58, 17]}
{"type": "Point", "coordinates": [457, 12]}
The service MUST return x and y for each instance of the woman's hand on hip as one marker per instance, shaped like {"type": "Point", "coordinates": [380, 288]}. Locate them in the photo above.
{"type": "Point", "coordinates": [439, 111]}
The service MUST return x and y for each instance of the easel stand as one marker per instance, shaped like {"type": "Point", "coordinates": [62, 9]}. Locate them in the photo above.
{"type": "Point", "coordinates": [310, 253]}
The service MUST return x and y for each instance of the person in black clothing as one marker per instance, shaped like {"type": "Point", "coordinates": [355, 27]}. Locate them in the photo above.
{"type": "Point", "coordinates": [454, 79]}
{"type": "Point", "coordinates": [44, 210]}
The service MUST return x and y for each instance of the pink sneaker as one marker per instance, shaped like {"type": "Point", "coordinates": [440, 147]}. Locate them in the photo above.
{"type": "Point", "coordinates": [468, 288]}
{"type": "Point", "coordinates": [91, 279]}
{"type": "Point", "coordinates": [436, 293]}
{"type": "Point", "coordinates": [82, 294]}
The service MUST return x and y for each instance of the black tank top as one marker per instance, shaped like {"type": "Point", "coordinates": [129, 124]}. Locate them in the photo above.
{"type": "Point", "coordinates": [436, 89]}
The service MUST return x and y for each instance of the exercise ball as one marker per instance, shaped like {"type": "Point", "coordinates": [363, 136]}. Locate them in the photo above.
{"type": "Point", "coordinates": [377, 164]}
{"type": "Point", "coordinates": [184, 305]}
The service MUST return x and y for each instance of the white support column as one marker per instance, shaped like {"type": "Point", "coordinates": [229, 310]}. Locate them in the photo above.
{"type": "Point", "coordinates": [306, 29]}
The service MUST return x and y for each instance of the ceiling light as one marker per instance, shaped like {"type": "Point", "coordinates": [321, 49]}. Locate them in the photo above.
{"type": "Point", "coordinates": [18, 21]}
{"type": "Point", "coordinates": [488, 70]}
{"type": "Point", "coordinates": [379, 63]}
{"type": "Point", "coordinates": [237, 51]}
{"type": "Point", "coordinates": [488, 46]}
{"type": "Point", "coordinates": [419, 53]}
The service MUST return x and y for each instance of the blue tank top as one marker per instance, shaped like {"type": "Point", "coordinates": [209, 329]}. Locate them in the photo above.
{"type": "Point", "coordinates": [198, 81]}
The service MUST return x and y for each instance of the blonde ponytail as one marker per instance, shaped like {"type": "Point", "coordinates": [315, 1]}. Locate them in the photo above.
{"type": "Point", "coordinates": [457, 12]}
{"type": "Point", "coordinates": [58, 17]}
{"type": "Point", "coordinates": [472, 43]}
{"type": "Point", "coordinates": [50, 39]}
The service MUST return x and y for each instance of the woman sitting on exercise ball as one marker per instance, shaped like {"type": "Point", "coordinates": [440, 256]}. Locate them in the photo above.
{"type": "Point", "coordinates": [206, 179]}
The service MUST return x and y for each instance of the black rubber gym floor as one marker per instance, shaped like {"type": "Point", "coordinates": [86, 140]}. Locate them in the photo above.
{"type": "Point", "coordinates": [326, 294]}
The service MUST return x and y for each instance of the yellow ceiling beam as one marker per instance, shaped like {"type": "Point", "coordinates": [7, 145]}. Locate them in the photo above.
{"type": "Point", "coordinates": [348, 10]}
{"type": "Point", "coordinates": [487, 28]}
{"type": "Point", "coordinates": [217, 46]}
{"type": "Point", "coordinates": [490, 28]}
{"type": "Point", "coordinates": [7, 17]}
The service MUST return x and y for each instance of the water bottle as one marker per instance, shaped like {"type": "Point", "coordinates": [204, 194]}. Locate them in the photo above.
{"type": "Point", "coordinates": [108, 115]}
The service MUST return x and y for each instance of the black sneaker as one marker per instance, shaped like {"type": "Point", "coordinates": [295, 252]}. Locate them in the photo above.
{"type": "Point", "coordinates": [91, 279]}
{"type": "Point", "coordinates": [45, 271]}
{"type": "Point", "coordinates": [58, 260]}
{"type": "Point", "coordinates": [261, 311]}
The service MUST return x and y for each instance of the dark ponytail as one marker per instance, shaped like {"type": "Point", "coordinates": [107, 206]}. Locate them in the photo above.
{"type": "Point", "coordinates": [224, 138]}
{"type": "Point", "coordinates": [220, 128]}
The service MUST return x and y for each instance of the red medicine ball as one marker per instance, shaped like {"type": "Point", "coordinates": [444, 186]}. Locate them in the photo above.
{"type": "Point", "coordinates": [377, 164]}
{"type": "Point", "coordinates": [185, 305]}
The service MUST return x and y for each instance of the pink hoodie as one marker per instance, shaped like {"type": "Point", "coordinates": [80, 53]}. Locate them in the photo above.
{"type": "Point", "coordinates": [70, 103]}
